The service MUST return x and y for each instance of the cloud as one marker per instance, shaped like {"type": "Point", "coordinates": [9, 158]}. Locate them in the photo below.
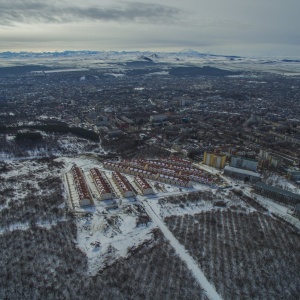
{"type": "Point", "coordinates": [33, 12]}
{"type": "Point", "coordinates": [214, 25]}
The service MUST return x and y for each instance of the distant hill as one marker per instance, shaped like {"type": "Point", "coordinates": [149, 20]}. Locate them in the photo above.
{"type": "Point", "coordinates": [200, 71]}
{"type": "Point", "coordinates": [146, 58]}
{"type": "Point", "coordinates": [142, 71]}
{"type": "Point", "coordinates": [144, 63]}
{"type": "Point", "coordinates": [154, 55]}
{"type": "Point", "coordinates": [4, 71]}
{"type": "Point", "coordinates": [291, 60]}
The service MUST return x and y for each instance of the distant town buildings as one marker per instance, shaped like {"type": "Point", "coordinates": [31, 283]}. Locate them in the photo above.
{"type": "Point", "coordinates": [158, 118]}
{"type": "Point", "coordinates": [296, 211]}
{"type": "Point", "coordinates": [98, 108]}
{"type": "Point", "coordinates": [275, 160]}
{"type": "Point", "coordinates": [269, 159]}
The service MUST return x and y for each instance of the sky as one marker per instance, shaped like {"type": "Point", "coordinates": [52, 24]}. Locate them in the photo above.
{"type": "Point", "coordinates": [231, 27]}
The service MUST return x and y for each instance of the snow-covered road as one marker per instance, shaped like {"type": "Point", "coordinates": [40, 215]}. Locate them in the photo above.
{"type": "Point", "coordinates": [182, 253]}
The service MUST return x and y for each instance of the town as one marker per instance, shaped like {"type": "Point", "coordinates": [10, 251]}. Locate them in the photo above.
{"type": "Point", "coordinates": [143, 166]}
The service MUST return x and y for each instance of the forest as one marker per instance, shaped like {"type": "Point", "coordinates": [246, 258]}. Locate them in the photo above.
{"type": "Point", "coordinates": [55, 128]}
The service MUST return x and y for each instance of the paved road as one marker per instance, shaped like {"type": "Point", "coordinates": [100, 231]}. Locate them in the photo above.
{"type": "Point", "coordinates": [180, 250]}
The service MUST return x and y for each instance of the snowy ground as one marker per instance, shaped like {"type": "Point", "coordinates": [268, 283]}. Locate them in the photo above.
{"type": "Point", "coordinates": [117, 228]}
{"type": "Point", "coordinates": [165, 208]}
{"type": "Point", "coordinates": [26, 226]}
{"type": "Point", "coordinates": [23, 175]}
{"type": "Point", "coordinates": [52, 145]}
{"type": "Point", "coordinates": [107, 235]}
{"type": "Point", "coordinates": [282, 182]}
{"type": "Point", "coordinates": [275, 208]}
{"type": "Point", "coordinates": [25, 189]}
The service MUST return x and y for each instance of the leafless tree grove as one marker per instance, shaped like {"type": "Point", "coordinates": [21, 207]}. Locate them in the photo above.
{"type": "Point", "coordinates": [46, 264]}
{"type": "Point", "coordinates": [245, 255]}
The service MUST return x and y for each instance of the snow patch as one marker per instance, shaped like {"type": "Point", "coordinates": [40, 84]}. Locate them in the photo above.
{"type": "Point", "coordinates": [105, 236]}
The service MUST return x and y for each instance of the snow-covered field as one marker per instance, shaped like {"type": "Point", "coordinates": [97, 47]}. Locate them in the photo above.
{"type": "Point", "coordinates": [107, 235]}
{"type": "Point", "coordinates": [201, 200]}
{"type": "Point", "coordinates": [24, 175]}
{"type": "Point", "coordinates": [31, 194]}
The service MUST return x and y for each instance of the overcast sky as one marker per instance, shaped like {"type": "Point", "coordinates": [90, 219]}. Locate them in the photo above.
{"type": "Point", "coordinates": [235, 27]}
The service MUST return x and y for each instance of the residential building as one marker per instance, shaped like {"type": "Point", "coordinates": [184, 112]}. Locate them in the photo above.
{"type": "Point", "coordinates": [213, 160]}
{"type": "Point", "coordinates": [296, 211]}
{"type": "Point", "coordinates": [81, 187]}
{"type": "Point", "coordinates": [101, 184]}
{"type": "Point", "coordinates": [244, 163]}
{"type": "Point", "coordinates": [276, 193]}
{"type": "Point", "coordinates": [122, 184]}
{"type": "Point", "coordinates": [143, 185]}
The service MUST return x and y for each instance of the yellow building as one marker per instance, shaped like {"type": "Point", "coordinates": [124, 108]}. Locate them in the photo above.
{"type": "Point", "coordinates": [216, 161]}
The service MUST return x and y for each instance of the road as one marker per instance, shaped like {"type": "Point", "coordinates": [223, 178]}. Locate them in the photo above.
{"type": "Point", "coordinates": [182, 253]}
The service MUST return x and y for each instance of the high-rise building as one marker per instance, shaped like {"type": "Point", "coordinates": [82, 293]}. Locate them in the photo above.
{"type": "Point", "coordinates": [97, 108]}
{"type": "Point", "coordinates": [216, 161]}
{"type": "Point", "coordinates": [244, 163]}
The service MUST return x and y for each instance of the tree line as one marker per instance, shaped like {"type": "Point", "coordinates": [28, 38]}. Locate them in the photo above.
{"type": "Point", "coordinates": [55, 128]}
